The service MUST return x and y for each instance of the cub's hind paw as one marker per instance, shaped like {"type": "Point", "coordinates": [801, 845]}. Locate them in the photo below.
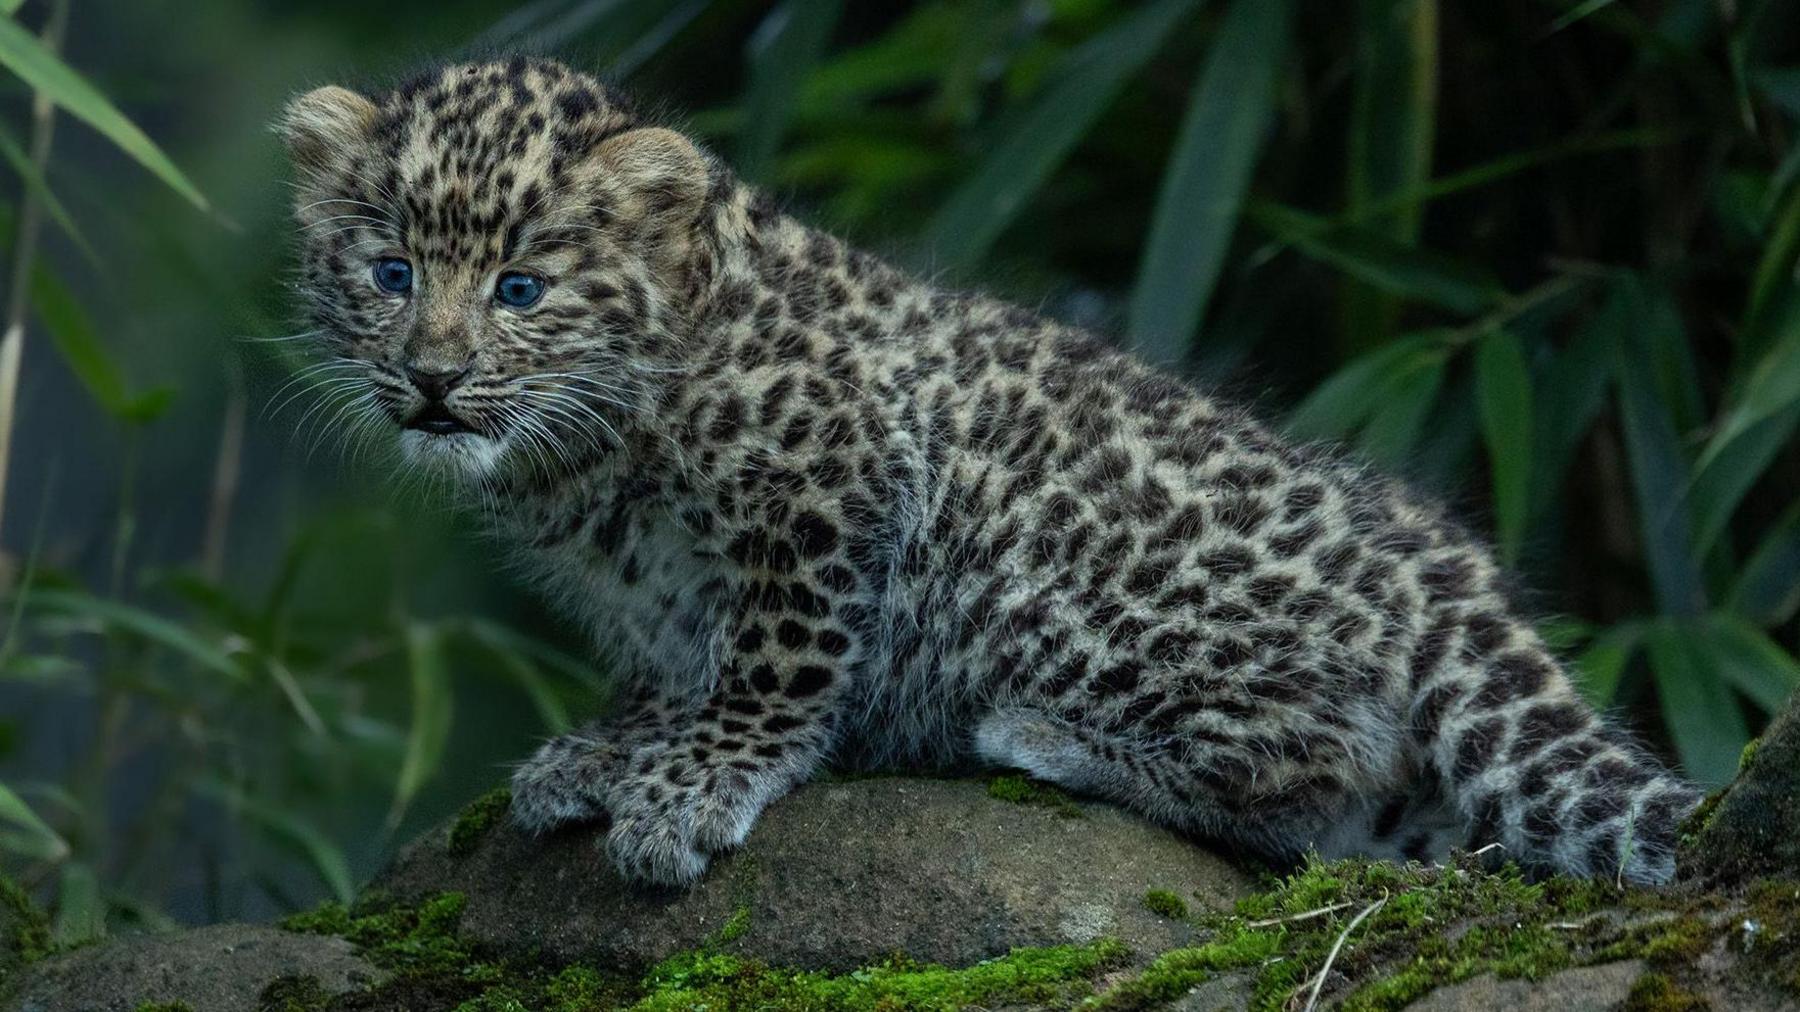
{"type": "Point", "coordinates": [561, 784]}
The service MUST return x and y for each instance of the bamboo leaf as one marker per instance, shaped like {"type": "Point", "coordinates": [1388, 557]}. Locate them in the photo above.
{"type": "Point", "coordinates": [1659, 469]}
{"type": "Point", "coordinates": [1503, 387]}
{"type": "Point", "coordinates": [1702, 715]}
{"type": "Point", "coordinates": [34, 839]}
{"type": "Point", "coordinates": [326, 858]}
{"type": "Point", "coordinates": [1729, 473]}
{"type": "Point", "coordinates": [1747, 658]}
{"type": "Point", "coordinates": [783, 51]}
{"type": "Point", "coordinates": [1341, 404]}
{"type": "Point", "coordinates": [74, 337]}
{"type": "Point", "coordinates": [1768, 585]}
{"type": "Point", "coordinates": [80, 909]}
{"type": "Point", "coordinates": [34, 182]}
{"type": "Point", "coordinates": [140, 622]}
{"type": "Point", "coordinates": [1392, 121]}
{"type": "Point", "coordinates": [431, 716]}
{"type": "Point", "coordinates": [1038, 139]}
{"type": "Point", "coordinates": [1575, 390]}
{"type": "Point", "coordinates": [1387, 265]}
{"type": "Point", "coordinates": [550, 708]}
{"type": "Point", "coordinates": [1393, 430]}
{"type": "Point", "coordinates": [1207, 176]}
{"type": "Point", "coordinates": [1770, 387]}
{"type": "Point", "coordinates": [23, 54]}
{"type": "Point", "coordinates": [1598, 669]}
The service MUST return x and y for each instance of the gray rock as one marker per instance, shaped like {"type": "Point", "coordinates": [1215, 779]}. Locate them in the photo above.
{"type": "Point", "coordinates": [223, 968]}
{"type": "Point", "coordinates": [840, 875]}
{"type": "Point", "coordinates": [1587, 989]}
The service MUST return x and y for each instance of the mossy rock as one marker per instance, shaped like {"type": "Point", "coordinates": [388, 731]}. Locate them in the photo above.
{"type": "Point", "coordinates": [24, 934]}
{"type": "Point", "coordinates": [836, 876]}
{"type": "Point", "coordinates": [1753, 829]}
{"type": "Point", "coordinates": [223, 968]}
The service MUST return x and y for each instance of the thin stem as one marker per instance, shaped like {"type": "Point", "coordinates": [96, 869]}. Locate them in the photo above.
{"type": "Point", "coordinates": [25, 241]}
{"type": "Point", "coordinates": [226, 470]}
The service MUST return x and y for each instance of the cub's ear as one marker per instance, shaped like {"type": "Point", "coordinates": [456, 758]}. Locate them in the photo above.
{"type": "Point", "coordinates": [322, 125]}
{"type": "Point", "coordinates": [663, 174]}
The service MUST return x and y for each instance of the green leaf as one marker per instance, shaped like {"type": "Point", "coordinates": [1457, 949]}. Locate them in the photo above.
{"type": "Point", "coordinates": [1659, 469]}
{"type": "Point", "coordinates": [1503, 387]}
{"type": "Point", "coordinates": [1341, 404]}
{"type": "Point", "coordinates": [32, 837]}
{"type": "Point", "coordinates": [34, 182]}
{"type": "Point", "coordinates": [74, 337]}
{"type": "Point", "coordinates": [1037, 140]}
{"type": "Point", "coordinates": [1771, 385]}
{"type": "Point", "coordinates": [1597, 669]}
{"type": "Point", "coordinates": [550, 708]}
{"type": "Point", "coordinates": [1393, 430]}
{"type": "Point", "coordinates": [326, 858]}
{"type": "Point", "coordinates": [23, 54]}
{"type": "Point", "coordinates": [1392, 120]}
{"type": "Point", "coordinates": [1702, 715]}
{"type": "Point", "coordinates": [782, 52]}
{"type": "Point", "coordinates": [1207, 176]}
{"type": "Point", "coordinates": [1747, 658]}
{"type": "Point", "coordinates": [1768, 585]}
{"type": "Point", "coordinates": [139, 622]}
{"type": "Point", "coordinates": [431, 715]}
{"type": "Point", "coordinates": [1574, 390]}
{"type": "Point", "coordinates": [1387, 265]}
{"type": "Point", "coordinates": [80, 909]}
{"type": "Point", "coordinates": [1729, 474]}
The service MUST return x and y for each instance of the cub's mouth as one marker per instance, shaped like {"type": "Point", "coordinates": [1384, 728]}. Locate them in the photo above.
{"type": "Point", "coordinates": [437, 419]}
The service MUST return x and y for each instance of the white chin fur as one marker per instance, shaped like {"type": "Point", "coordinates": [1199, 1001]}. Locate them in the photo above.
{"type": "Point", "coordinates": [464, 454]}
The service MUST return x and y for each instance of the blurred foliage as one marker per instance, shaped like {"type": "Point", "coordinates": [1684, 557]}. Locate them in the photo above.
{"type": "Point", "coordinates": [1539, 257]}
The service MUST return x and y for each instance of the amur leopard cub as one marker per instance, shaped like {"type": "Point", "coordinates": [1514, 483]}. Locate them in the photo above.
{"type": "Point", "coordinates": [819, 512]}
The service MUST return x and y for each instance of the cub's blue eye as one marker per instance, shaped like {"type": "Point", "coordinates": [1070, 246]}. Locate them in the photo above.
{"type": "Point", "coordinates": [519, 290]}
{"type": "Point", "coordinates": [393, 275]}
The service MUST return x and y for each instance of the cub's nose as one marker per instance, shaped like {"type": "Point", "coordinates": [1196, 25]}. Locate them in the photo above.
{"type": "Point", "coordinates": [436, 385]}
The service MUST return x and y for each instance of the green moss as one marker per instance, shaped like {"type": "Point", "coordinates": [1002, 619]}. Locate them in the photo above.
{"type": "Point", "coordinates": [1019, 790]}
{"type": "Point", "coordinates": [477, 818]}
{"type": "Point", "coordinates": [419, 939]}
{"type": "Point", "coordinates": [1164, 903]}
{"type": "Point", "coordinates": [1654, 992]}
{"type": "Point", "coordinates": [1748, 756]}
{"type": "Point", "coordinates": [164, 1006]}
{"type": "Point", "coordinates": [733, 928]}
{"type": "Point", "coordinates": [293, 993]}
{"type": "Point", "coordinates": [718, 981]}
{"type": "Point", "coordinates": [1173, 973]}
{"type": "Point", "coordinates": [24, 930]}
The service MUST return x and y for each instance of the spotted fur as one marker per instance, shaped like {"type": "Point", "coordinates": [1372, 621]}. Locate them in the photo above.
{"type": "Point", "coordinates": [820, 512]}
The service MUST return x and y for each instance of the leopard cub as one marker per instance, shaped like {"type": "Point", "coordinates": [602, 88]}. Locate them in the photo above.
{"type": "Point", "coordinates": [819, 512]}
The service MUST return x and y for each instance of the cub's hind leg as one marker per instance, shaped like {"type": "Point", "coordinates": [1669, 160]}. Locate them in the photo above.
{"type": "Point", "coordinates": [1213, 789]}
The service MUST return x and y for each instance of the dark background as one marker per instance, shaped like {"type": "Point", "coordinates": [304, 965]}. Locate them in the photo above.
{"type": "Point", "coordinates": [1537, 256]}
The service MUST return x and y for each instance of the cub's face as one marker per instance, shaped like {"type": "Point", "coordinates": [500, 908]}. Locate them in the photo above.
{"type": "Point", "coordinates": [496, 257]}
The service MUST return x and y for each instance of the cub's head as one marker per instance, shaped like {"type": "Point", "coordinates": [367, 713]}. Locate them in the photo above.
{"type": "Point", "coordinates": [497, 257]}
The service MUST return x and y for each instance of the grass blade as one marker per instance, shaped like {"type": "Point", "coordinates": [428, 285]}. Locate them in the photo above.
{"type": "Point", "coordinates": [1770, 387]}
{"type": "Point", "coordinates": [23, 54]}
{"type": "Point", "coordinates": [34, 181]}
{"type": "Point", "coordinates": [326, 858]}
{"type": "Point", "coordinates": [1702, 715]}
{"type": "Point", "coordinates": [1042, 135]}
{"type": "Point", "coordinates": [1503, 388]}
{"type": "Point", "coordinates": [782, 53]}
{"type": "Point", "coordinates": [1207, 176]}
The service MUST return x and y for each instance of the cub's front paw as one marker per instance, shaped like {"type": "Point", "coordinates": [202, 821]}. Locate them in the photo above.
{"type": "Point", "coordinates": [562, 783]}
{"type": "Point", "coordinates": [665, 835]}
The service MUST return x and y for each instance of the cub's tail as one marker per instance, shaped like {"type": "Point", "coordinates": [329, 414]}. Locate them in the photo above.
{"type": "Point", "coordinates": [1530, 766]}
